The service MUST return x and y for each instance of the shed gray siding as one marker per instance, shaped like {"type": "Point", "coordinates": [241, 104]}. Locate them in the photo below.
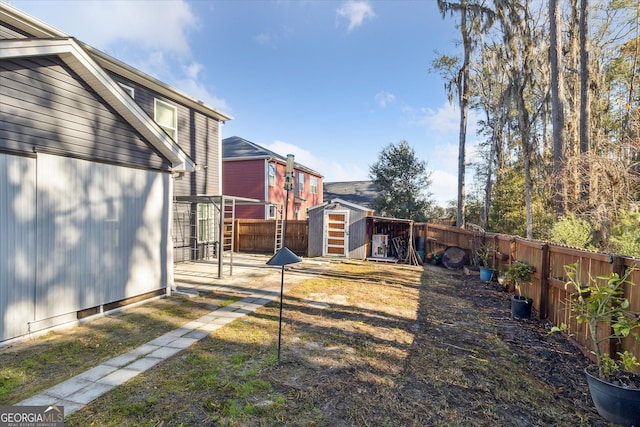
{"type": "Point", "coordinates": [198, 136]}
{"type": "Point", "coordinates": [316, 231]}
{"type": "Point", "coordinates": [357, 234]}
{"type": "Point", "coordinates": [357, 230]}
{"type": "Point", "coordinates": [18, 248]}
{"type": "Point", "coordinates": [45, 106]}
{"type": "Point", "coordinates": [102, 236]}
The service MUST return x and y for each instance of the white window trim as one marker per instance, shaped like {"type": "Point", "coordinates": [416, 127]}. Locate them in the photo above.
{"type": "Point", "coordinates": [205, 220]}
{"type": "Point", "coordinates": [275, 171]}
{"type": "Point", "coordinates": [167, 129]}
{"type": "Point", "coordinates": [129, 90]}
{"type": "Point", "coordinates": [272, 211]}
{"type": "Point", "coordinates": [313, 188]}
{"type": "Point", "coordinates": [300, 183]}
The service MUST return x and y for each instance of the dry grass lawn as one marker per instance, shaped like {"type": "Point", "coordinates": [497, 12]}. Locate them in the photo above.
{"type": "Point", "coordinates": [364, 344]}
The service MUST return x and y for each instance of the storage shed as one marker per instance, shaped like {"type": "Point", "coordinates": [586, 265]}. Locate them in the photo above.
{"type": "Point", "coordinates": [86, 183]}
{"type": "Point", "coordinates": [392, 239]}
{"type": "Point", "coordinates": [338, 228]}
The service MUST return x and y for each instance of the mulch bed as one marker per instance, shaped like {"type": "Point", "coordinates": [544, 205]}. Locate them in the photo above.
{"type": "Point", "coordinates": [551, 359]}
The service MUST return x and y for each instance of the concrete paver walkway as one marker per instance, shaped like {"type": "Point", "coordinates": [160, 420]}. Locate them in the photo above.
{"type": "Point", "coordinates": [262, 285]}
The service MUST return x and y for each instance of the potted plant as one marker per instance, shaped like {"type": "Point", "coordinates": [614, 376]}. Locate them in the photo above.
{"type": "Point", "coordinates": [603, 306]}
{"type": "Point", "coordinates": [520, 272]}
{"type": "Point", "coordinates": [485, 258]}
{"type": "Point", "coordinates": [501, 275]}
{"type": "Point", "coordinates": [435, 258]}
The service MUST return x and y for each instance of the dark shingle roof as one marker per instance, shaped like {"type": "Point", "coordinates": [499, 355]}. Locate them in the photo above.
{"type": "Point", "coordinates": [358, 192]}
{"type": "Point", "coordinates": [236, 148]}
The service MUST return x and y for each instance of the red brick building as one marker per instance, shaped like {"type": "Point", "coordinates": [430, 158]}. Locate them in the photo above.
{"type": "Point", "coordinates": [249, 170]}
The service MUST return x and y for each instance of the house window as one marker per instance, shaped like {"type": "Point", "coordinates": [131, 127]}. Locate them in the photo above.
{"type": "Point", "coordinates": [206, 232]}
{"type": "Point", "coordinates": [166, 116]}
{"type": "Point", "coordinates": [128, 89]}
{"type": "Point", "coordinates": [300, 183]}
{"type": "Point", "coordinates": [272, 211]}
{"type": "Point", "coordinates": [272, 175]}
{"type": "Point", "coordinates": [313, 185]}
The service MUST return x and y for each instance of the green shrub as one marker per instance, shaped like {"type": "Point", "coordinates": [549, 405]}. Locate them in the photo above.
{"type": "Point", "coordinates": [573, 231]}
{"type": "Point", "coordinates": [625, 235]}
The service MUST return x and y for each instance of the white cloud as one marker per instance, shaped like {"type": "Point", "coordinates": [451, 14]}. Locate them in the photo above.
{"type": "Point", "coordinates": [385, 98]}
{"type": "Point", "coordinates": [336, 172]}
{"type": "Point", "coordinates": [266, 39]}
{"type": "Point", "coordinates": [444, 187]}
{"type": "Point", "coordinates": [355, 12]}
{"type": "Point", "coordinates": [444, 120]}
{"type": "Point", "coordinates": [330, 169]}
{"type": "Point", "coordinates": [193, 70]}
{"type": "Point", "coordinates": [153, 25]}
{"type": "Point", "coordinates": [150, 36]}
{"type": "Point", "coordinates": [198, 90]}
{"type": "Point", "coordinates": [302, 156]}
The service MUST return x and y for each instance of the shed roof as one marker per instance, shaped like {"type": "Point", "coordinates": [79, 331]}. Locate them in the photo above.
{"type": "Point", "coordinates": [343, 203]}
{"type": "Point", "coordinates": [80, 62]}
{"type": "Point", "coordinates": [235, 148]}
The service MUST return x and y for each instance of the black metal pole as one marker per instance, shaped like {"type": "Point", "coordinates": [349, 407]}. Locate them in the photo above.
{"type": "Point", "coordinates": [286, 214]}
{"type": "Point", "coordinates": [280, 323]}
{"type": "Point", "coordinates": [284, 245]}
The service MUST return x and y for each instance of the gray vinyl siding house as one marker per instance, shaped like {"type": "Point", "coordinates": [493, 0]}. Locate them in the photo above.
{"type": "Point", "coordinates": [87, 177]}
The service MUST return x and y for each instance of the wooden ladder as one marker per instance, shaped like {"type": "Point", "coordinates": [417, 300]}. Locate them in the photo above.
{"type": "Point", "coordinates": [279, 229]}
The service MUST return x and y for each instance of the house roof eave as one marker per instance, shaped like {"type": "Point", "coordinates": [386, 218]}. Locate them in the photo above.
{"type": "Point", "coordinates": [150, 82]}
{"type": "Point", "coordinates": [37, 28]}
{"type": "Point", "coordinates": [80, 62]}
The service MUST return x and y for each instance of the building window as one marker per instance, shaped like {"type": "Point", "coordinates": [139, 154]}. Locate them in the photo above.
{"type": "Point", "coordinates": [166, 116]}
{"type": "Point", "coordinates": [272, 211]}
{"type": "Point", "coordinates": [272, 175]}
{"type": "Point", "coordinates": [300, 183]}
{"type": "Point", "coordinates": [129, 90]}
{"type": "Point", "coordinates": [206, 229]}
{"type": "Point", "coordinates": [313, 185]}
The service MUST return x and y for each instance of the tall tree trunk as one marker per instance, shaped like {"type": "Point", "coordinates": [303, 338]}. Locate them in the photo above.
{"type": "Point", "coordinates": [557, 104]}
{"type": "Point", "coordinates": [525, 131]}
{"type": "Point", "coordinates": [585, 108]}
{"type": "Point", "coordinates": [572, 175]}
{"type": "Point", "coordinates": [464, 110]}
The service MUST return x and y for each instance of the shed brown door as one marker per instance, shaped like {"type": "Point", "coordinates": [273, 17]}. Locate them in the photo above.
{"type": "Point", "coordinates": [336, 233]}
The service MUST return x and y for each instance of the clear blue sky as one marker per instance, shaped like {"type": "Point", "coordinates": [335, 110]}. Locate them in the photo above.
{"type": "Point", "coordinates": [332, 82]}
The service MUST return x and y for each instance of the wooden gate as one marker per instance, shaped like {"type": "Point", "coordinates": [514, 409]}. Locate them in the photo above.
{"type": "Point", "coordinates": [336, 233]}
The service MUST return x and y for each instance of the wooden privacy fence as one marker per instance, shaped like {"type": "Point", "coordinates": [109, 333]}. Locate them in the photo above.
{"type": "Point", "coordinates": [258, 235]}
{"type": "Point", "coordinates": [547, 287]}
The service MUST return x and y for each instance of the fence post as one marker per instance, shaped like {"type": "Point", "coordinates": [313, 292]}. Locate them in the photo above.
{"type": "Point", "coordinates": [544, 282]}
{"type": "Point", "coordinates": [236, 235]}
{"type": "Point", "coordinates": [513, 250]}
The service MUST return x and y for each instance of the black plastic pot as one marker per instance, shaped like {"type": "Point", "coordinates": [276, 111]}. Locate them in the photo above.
{"type": "Point", "coordinates": [616, 404]}
{"type": "Point", "coordinates": [521, 307]}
